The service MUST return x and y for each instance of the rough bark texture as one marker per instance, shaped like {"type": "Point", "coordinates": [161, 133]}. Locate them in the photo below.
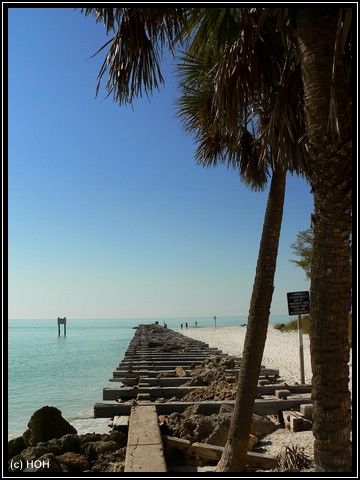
{"type": "Point", "coordinates": [234, 455]}
{"type": "Point", "coordinates": [331, 183]}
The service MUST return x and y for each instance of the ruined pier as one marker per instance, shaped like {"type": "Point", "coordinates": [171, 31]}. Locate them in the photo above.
{"type": "Point", "coordinates": [153, 378]}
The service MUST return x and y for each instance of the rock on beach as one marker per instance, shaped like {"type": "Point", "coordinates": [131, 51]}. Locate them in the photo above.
{"type": "Point", "coordinates": [51, 444]}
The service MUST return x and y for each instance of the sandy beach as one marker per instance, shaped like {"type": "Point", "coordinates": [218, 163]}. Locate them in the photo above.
{"type": "Point", "coordinates": [281, 352]}
{"type": "Point", "coordinates": [281, 349]}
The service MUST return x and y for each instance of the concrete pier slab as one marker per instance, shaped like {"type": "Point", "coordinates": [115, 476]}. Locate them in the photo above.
{"type": "Point", "coordinates": [145, 450]}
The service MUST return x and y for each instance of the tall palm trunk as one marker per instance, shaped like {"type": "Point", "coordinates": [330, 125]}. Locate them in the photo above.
{"type": "Point", "coordinates": [331, 183]}
{"type": "Point", "coordinates": [234, 455]}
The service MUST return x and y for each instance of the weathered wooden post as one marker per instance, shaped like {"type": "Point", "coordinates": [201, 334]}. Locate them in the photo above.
{"type": "Point", "coordinates": [61, 321]}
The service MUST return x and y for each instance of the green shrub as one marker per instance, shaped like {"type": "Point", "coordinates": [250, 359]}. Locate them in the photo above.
{"type": "Point", "coordinates": [293, 325]}
{"type": "Point", "coordinates": [305, 326]}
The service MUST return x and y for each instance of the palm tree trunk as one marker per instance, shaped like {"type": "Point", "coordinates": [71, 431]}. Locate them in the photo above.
{"type": "Point", "coordinates": [234, 455]}
{"type": "Point", "coordinates": [331, 182]}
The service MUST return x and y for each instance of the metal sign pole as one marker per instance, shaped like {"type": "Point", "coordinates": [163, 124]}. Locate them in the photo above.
{"type": "Point", "coordinates": [301, 351]}
{"type": "Point", "coordinates": [298, 303]}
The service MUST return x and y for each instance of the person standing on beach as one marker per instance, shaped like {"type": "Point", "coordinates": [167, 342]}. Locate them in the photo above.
{"type": "Point", "coordinates": [181, 326]}
{"type": "Point", "coordinates": [186, 325]}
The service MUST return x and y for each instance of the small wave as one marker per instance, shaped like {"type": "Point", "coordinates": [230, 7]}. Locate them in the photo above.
{"type": "Point", "coordinates": [91, 425]}
{"type": "Point", "coordinates": [82, 425]}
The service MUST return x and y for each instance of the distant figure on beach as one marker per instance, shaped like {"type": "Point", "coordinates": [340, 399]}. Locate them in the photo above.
{"type": "Point", "coordinates": [195, 324]}
{"type": "Point", "coordinates": [181, 326]}
{"type": "Point", "coordinates": [186, 325]}
{"type": "Point", "coordinates": [165, 326]}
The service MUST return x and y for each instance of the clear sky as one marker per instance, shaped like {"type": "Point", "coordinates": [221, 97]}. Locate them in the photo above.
{"type": "Point", "coordinates": [109, 216]}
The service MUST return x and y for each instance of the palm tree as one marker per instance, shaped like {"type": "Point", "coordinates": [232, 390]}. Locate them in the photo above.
{"type": "Point", "coordinates": [241, 151]}
{"type": "Point", "coordinates": [326, 97]}
{"type": "Point", "coordinates": [134, 65]}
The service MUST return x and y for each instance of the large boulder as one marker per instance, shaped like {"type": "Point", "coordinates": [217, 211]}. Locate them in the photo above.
{"type": "Point", "coordinates": [51, 444]}
{"type": "Point", "coordinates": [45, 424]}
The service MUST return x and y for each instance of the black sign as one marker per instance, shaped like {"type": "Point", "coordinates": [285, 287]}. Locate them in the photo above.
{"type": "Point", "coordinates": [298, 303]}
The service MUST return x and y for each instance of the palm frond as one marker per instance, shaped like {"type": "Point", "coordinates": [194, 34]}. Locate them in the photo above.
{"type": "Point", "coordinates": [259, 71]}
{"type": "Point", "coordinates": [133, 61]}
{"type": "Point", "coordinates": [211, 29]}
{"type": "Point", "coordinates": [248, 72]}
{"type": "Point", "coordinates": [195, 109]}
{"type": "Point", "coordinates": [104, 15]}
{"type": "Point", "coordinates": [284, 131]}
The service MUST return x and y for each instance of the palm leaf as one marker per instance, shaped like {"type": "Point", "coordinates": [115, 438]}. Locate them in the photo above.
{"type": "Point", "coordinates": [258, 73]}
{"type": "Point", "coordinates": [195, 109]}
{"type": "Point", "coordinates": [133, 61]}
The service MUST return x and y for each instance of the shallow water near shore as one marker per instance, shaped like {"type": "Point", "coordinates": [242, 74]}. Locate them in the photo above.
{"type": "Point", "coordinates": [70, 372]}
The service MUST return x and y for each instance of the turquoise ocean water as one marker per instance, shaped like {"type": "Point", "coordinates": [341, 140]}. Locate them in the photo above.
{"type": "Point", "coordinates": [70, 372]}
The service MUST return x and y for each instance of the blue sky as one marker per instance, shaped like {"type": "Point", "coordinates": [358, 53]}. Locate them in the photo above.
{"type": "Point", "coordinates": [109, 215]}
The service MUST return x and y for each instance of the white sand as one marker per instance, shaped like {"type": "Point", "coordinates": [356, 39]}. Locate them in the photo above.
{"type": "Point", "coordinates": [281, 352]}
{"type": "Point", "coordinates": [281, 349]}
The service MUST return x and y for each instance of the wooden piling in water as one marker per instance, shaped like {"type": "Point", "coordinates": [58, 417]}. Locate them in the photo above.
{"type": "Point", "coordinates": [61, 321]}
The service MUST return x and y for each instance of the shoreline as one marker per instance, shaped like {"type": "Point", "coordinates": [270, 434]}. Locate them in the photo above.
{"type": "Point", "coordinates": [281, 353]}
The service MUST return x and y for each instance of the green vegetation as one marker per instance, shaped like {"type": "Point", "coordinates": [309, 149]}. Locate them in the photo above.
{"type": "Point", "coordinates": [303, 248]}
{"type": "Point", "coordinates": [305, 326]}
{"type": "Point", "coordinates": [293, 325]}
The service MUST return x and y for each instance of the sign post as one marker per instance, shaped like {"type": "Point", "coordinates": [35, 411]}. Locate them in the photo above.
{"type": "Point", "coordinates": [298, 304]}
{"type": "Point", "coordinates": [301, 351]}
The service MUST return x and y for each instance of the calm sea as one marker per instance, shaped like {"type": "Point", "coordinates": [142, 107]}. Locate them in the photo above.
{"type": "Point", "coordinates": [70, 372]}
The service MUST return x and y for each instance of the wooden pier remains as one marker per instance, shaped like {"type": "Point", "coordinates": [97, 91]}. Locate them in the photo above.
{"type": "Point", "coordinates": [61, 321]}
{"type": "Point", "coordinates": [150, 380]}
